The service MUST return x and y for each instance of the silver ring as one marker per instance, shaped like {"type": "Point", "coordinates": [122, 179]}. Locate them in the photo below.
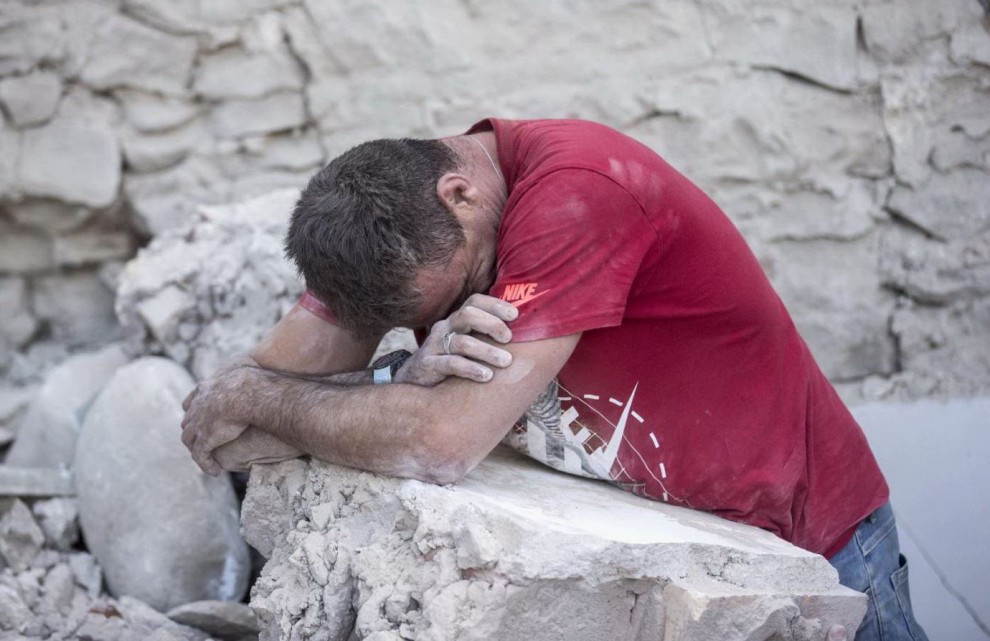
{"type": "Point", "coordinates": [445, 341]}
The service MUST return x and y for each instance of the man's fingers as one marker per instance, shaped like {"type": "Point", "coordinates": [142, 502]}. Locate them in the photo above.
{"type": "Point", "coordinates": [494, 306]}
{"type": "Point", "coordinates": [189, 399]}
{"type": "Point", "coordinates": [480, 351]}
{"type": "Point", "coordinates": [462, 368]}
{"type": "Point", "coordinates": [472, 319]}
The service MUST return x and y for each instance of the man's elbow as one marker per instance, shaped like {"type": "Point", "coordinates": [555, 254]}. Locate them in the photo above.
{"type": "Point", "coordinates": [444, 458]}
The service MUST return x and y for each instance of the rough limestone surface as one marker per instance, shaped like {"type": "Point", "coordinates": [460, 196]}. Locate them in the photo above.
{"type": "Point", "coordinates": [205, 293]}
{"type": "Point", "coordinates": [162, 531]}
{"type": "Point", "coordinates": [836, 135]}
{"type": "Point", "coordinates": [517, 551]}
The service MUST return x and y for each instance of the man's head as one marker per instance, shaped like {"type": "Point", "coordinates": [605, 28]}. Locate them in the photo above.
{"type": "Point", "coordinates": [368, 224]}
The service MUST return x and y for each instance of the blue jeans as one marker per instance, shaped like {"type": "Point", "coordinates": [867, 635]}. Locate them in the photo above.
{"type": "Point", "coordinates": [872, 563]}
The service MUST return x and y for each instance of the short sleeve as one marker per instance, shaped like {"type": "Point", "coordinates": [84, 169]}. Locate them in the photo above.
{"type": "Point", "coordinates": [570, 248]}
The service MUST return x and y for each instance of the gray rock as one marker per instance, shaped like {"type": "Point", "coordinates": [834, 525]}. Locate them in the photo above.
{"type": "Point", "coordinates": [35, 481]}
{"type": "Point", "coordinates": [965, 192]}
{"type": "Point", "coordinates": [17, 324]}
{"type": "Point", "coordinates": [192, 16]}
{"type": "Point", "coordinates": [153, 152]}
{"type": "Point", "coordinates": [78, 307]}
{"type": "Point", "coordinates": [23, 251]}
{"type": "Point", "coordinates": [167, 199]}
{"type": "Point", "coordinates": [31, 99]}
{"type": "Point", "coordinates": [13, 611]}
{"type": "Point", "coordinates": [48, 432]}
{"type": "Point", "coordinates": [14, 402]}
{"type": "Point", "coordinates": [92, 247]}
{"type": "Point", "coordinates": [70, 160]}
{"type": "Point", "coordinates": [57, 591]}
{"type": "Point", "coordinates": [222, 619]}
{"type": "Point", "coordinates": [140, 614]}
{"type": "Point", "coordinates": [28, 38]}
{"type": "Point", "coordinates": [126, 53]}
{"type": "Point", "coordinates": [50, 216]}
{"type": "Point", "coordinates": [153, 113]}
{"type": "Point", "coordinates": [10, 142]}
{"type": "Point", "coordinates": [236, 73]}
{"type": "Point", "coordinates": [20, 537]}
{"type": "Point", "coordinates": [277, 112]}
{"type": "Point", "coordinates": [131, 468]}
{"type": "Point", "coordinates": [818, 43]}
{"type": "Point", "coordinates": [88, 574]}
{"type": "Point", "coordinates": [225, 283]}
{"type": "Point", "coordinates": [59, 520]}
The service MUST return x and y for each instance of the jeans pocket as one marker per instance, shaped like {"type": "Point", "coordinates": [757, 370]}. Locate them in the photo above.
{"type": "Point", "coordinates": [899, 580]}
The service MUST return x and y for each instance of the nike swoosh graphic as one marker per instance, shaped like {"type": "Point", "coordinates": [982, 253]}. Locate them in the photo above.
{"type": "Point", "coordinates": [526, 299]}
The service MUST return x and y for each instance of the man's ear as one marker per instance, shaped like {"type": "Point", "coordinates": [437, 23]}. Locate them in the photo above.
{"type": "Point", "coordinates": [455, 190]}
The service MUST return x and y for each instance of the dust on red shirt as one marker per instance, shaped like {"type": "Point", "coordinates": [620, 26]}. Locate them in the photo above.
{"type": "Point", "coordinates": [690, 383]}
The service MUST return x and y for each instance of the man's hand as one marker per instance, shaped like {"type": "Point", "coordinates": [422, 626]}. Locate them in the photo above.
{"type": "Point", "coordinates": [461, 354]}
{"type": "Point", "coordinates": [209, 422]}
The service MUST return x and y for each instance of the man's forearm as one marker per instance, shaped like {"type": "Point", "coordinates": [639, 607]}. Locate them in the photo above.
{"type": "Point", "coordinates": [385, 429]}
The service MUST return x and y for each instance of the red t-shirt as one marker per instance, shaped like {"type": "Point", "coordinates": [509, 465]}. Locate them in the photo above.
{"type": "Point", "coordinates": [690, 383]}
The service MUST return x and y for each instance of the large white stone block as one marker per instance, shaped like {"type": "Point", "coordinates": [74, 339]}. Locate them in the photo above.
{"type": "Point", "coordinates": [276, 112]}
{"type": "Point", "coordinates": [517, 551]}
{"type": "Point", "coordinates": [161, 529]}
{"type": "Point", "coordinates": [31, 99]}
{"type": "Point", "coordinates": [70, 160]}
{"type": "Point", "coordinates": [236, 73]}
{"type": "Point", "coordinates": [126, 53]}
{"type": "Point", "coordinates": [817, 41]}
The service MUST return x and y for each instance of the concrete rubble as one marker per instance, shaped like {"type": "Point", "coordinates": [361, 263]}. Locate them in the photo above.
{"type": "Point", "coordinates": [517, 551]}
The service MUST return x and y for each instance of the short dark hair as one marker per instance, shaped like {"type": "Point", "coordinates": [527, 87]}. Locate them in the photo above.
{"type": "Point", "coordinates": [366, 223]}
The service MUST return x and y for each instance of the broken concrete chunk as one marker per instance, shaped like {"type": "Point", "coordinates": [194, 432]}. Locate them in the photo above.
{"type": "Point", "coordinates": [514, 550]}
{"type": "Point", "coordinates": [59, 520]}
{"type": "Point", "coordinates": [222, 619]}
{"type": "Point", "coordinates": [58, 589]}
{"type": "Point", "coordinates": [88, 574]}
{"type": "Point", "coordinates": [210, 293]}
{"type": "Point", "coordinates": [14, 613]}
{"type": "Point", "coordinates": [31, 100]}
{"type": "Point", "coordinates": [129, 446]}
{"type": "Point", "coordinates": [163, 311]}
{"type": "Point", "coordinates": [20, 537]}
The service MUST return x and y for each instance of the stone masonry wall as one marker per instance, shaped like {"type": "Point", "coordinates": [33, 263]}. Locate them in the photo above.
{"type": "Point", "coordinates": [848, 139]}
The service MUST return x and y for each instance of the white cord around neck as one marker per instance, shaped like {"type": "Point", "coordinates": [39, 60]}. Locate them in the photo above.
{"type": "Point", "coordinates": [490, 159]}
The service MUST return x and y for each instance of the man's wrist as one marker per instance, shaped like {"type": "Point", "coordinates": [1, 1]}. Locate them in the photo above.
{"type": "Point", "coordinates": [385, 368]}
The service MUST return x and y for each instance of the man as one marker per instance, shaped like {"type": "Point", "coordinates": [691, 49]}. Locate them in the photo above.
{"type": "Point", "coordinates": [627, 322]}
